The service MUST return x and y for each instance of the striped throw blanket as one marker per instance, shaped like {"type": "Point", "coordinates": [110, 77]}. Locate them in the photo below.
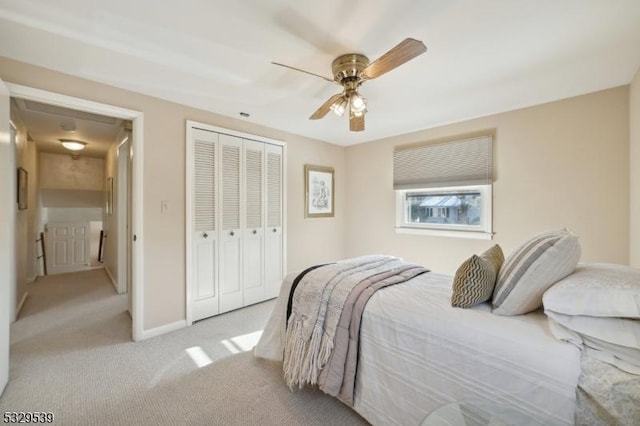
{"type": "Point", "coordinates": [316, 323]}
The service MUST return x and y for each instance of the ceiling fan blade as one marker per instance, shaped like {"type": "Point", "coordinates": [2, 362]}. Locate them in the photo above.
{"type": "Point", "coordinates": [405, 51]}
{"type": "Point", "coordinates": [306, 72]}
{"type": "Point", "coordinates": [356, 124]}
{"type": "Point", "coordinates": [325, 107]}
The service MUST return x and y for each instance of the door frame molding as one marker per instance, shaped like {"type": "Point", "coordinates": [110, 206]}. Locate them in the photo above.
{"type": "Point", "coordinates": [7, 231]}
{"type": "Point", "coordinates": [122, 214]}
{"type": "Point", "coordinates": [137, 144]}
{"type": "Point", "coordinates": [189, 198]}
{"type": "Point", "coordinates": [13, 285]}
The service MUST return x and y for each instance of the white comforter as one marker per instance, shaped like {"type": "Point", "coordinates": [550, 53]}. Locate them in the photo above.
{"type": "Point", "coordinates": [418, 353]}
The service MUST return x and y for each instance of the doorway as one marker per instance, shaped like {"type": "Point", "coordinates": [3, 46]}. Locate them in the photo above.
{"type": "Point", "coordinates": [135, 183]}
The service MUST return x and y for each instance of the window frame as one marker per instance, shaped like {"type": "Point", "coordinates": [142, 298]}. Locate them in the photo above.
{"type": "Point", "coordinates": [483, 231]}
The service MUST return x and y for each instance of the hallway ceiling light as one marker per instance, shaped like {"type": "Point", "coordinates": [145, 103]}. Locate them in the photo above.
{"type": "Point", "coordinates": [73, 145]}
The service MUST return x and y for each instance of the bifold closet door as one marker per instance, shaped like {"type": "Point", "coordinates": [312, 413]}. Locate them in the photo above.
{"type": "Point", "coordinates": [274, 247]}
{"type": "Point", "coordinates": [230, 279]}
{"type": "Point", "coordinates": [204, 291]}
{"type": "Point", "coordinates": [236, 227]}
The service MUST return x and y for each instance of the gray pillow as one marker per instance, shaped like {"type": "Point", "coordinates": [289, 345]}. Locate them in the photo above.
{"type": "Point", "coordinates": [531, 269]}
{"type": "Point", "coordinates": [476, 277]}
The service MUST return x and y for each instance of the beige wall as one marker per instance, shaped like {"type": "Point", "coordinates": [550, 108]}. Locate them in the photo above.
{"type": "Point", "coordinates": [634, 171]}
{"type": "Point", "coordinates": [323, 239]}
{"type": "Point", "coordinates": [559, 164]}
{"type": "Point", "coordinates": [26, 220]}
{"type": "Point", "coordinates": [309, 241]}
{"type": "Point", "coordinates": [61, 171]}
{"type": "Point", "coordinates": [21, 215]}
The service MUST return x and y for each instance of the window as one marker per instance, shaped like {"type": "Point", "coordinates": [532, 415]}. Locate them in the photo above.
{"type": "Point", "coordinates": [445, 188]}
{"type": "Point", "coordinates": [461, 210]}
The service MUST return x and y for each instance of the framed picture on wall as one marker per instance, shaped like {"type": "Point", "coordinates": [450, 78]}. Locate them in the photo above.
{"type": "Point", "coordinates": [319, 191]}
{"type": "Point", "coordinates": [23, 189]}
{"type": "Point", "coordinates": [108, 196]}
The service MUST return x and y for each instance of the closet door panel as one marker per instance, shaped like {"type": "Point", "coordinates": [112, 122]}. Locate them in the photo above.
{"type": "Point", "coordinates": [274, 220]}
{"type": "Point", "coordinates": [230, 283]}
{"type": "Point", "coordinates": [204, 291]}
{"type": "Point", "coordinates": [254, 181]}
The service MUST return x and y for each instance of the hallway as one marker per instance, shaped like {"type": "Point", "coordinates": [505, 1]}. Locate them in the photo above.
{"type": "Point", "coordinates": [80, 307]}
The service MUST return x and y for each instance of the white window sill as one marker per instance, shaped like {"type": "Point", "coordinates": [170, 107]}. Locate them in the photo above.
{"type": "Point", "coordinates": [475, 235]}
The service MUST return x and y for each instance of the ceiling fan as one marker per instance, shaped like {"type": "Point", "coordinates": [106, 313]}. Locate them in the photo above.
{"type": "Point", "coordinates": [353, 69]}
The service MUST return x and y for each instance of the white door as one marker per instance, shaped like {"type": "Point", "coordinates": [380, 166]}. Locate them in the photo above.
{"type": "Point", "coordinates": [68, 247]}
{"type": "Point", "coordinates": [129, 227]}
{"type": "Point", "coordinates": [230, 279]}
{"type": "Point", "coordinates": [122, 214]}
{"type": "Point", "coordinates": [7, 231]}
{"type": "Point", "coordinates": [273, 249]}
{"type": "Point", "coordinates": [253, 238]}
{"type": "Point", "coordinates": [204, 238]}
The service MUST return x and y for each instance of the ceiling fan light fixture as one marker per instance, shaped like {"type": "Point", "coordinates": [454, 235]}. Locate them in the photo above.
{"type": "Point", "coordinates": [358, 104]}
{"type": "Point", "coordinates": [72, 144]}
{"type": "Point", "coordinates": [339, 106]}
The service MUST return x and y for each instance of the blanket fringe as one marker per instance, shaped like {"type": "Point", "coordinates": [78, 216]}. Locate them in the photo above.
{"type": "Point", "coordinates": [304, 359]}
{"type": "Point", "coordinates": [294, 353]}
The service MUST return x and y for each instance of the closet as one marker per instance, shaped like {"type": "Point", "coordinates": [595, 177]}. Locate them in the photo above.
{"type": "Point", "coordinates": [235, 198]}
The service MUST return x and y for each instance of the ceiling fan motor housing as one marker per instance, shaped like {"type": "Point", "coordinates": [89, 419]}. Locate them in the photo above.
{"type": "Point", "coordinates": [348, 68]}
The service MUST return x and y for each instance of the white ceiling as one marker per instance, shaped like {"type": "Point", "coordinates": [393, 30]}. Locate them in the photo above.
{"type": "Point", "coordinates": [47, 124]}
{"type": "Point", "coordinates": [483, 56]}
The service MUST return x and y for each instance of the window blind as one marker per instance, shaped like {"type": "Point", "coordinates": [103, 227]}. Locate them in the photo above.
{"type": "Point", "coordinates": [456, 163]}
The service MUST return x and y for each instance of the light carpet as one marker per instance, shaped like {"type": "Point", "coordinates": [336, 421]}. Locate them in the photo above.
{"type": "Point", "coordinates": [72, 354]}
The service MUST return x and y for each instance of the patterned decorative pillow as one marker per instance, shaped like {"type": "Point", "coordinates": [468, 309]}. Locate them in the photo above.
{"type": "Point", "coordinates": [476, 277]}
{"type": "Point", "coordinates": [531, 269]}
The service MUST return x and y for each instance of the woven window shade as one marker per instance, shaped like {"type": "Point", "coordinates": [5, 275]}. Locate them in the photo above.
{"type": "Point", "coordinates": [457, 163]}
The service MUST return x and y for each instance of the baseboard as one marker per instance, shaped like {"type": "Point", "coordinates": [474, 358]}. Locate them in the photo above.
{"type": "Point", "coordinates": [113, 281]}
{"type": "Point", "coordinates": [21, 304]}
{"type": "Point", "coordinates": [163, 329]}
{"type": "Point", "coordinates": [32, 279]}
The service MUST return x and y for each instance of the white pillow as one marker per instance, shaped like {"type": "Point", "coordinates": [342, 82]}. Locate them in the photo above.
{"type": "Point", "coordinates": [618, 331]}
{"type": "Point", "coordinates": [624, 357]}
{"type": "Point", "coordinates": [531, 269]}
{"type": "Point", "coordinates": [597, 289]}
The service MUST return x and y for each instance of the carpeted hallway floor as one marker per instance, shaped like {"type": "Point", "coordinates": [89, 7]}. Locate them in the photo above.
{"type": "Point", "coordinates": [72, 355]}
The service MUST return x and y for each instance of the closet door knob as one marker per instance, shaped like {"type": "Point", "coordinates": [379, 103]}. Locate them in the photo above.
{"type": "Point", "coordinates": [255, 232]}
{"type": "Point", "coordinates": [205, 235]}
{"type": "Point", "coordinates": [231, 233]}
{"type": "Point", "coordinates": [274, 230]}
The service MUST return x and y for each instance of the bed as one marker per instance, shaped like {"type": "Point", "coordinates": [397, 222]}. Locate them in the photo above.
{"type": "Point", "coordinates": [418, 353]}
